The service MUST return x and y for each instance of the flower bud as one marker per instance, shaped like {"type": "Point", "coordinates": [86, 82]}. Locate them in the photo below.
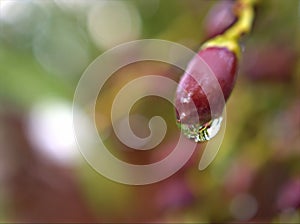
{"type": "Point", "coordinates": [219, 18]}
{"type": "Point", "coordinates": [190, 94]}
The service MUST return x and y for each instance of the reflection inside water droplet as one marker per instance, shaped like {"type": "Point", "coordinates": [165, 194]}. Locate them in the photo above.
{"type": "Point", "coordinates": [202, 132]}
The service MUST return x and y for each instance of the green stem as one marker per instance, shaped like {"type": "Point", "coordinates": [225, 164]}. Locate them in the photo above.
{"type": "Point", "coordinates": [245, 15]}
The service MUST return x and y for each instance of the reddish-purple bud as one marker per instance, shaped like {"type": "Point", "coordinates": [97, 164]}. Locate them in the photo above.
{"type": "Point", "coordinates": [198, 89]}
{"type": "Point", "coordinates": [219, 18]}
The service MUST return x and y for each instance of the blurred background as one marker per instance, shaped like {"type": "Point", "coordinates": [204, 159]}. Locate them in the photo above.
{"type": "Point", "coordinates": [45, 46]}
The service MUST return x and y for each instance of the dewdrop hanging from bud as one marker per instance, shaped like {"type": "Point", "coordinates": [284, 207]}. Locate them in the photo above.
{"type": "Point", "coordinates": [193, 105]}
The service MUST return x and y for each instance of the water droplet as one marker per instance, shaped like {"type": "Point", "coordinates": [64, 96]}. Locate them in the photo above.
{"type": "Point", "coordinates": [202, 132]}
{"type": "Point", "coordinates": [182, 116]}
{"type": "Point", "coordinates": [186, 99]}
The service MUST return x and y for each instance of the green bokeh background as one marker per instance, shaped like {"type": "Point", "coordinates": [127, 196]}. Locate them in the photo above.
{"type": "Point", "coordinates": [258, 157]}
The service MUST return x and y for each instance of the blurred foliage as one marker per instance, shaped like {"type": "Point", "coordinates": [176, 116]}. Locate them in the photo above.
{"type": "Point", "coordinates": [45, 46]}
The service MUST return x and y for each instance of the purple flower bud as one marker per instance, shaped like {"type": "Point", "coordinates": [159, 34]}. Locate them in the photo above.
{"type": "Point", "coordinates": [223, 64]}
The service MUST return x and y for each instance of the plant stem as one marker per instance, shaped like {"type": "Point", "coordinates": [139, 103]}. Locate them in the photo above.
{"type": "Point", "coordinates": [245, 13]}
